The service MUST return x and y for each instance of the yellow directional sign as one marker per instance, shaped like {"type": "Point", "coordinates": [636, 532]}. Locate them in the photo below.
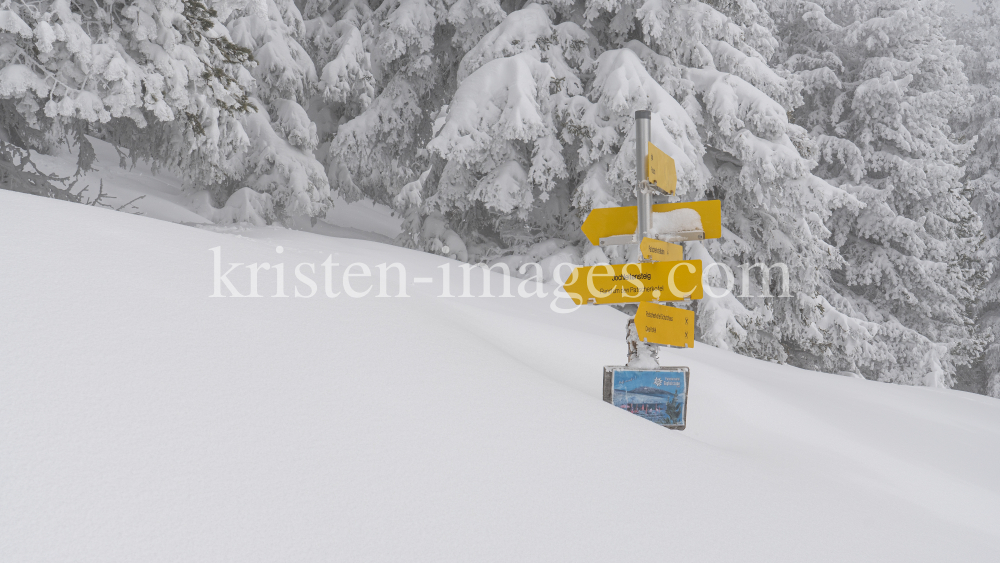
{"type": "Point", "coordinates": [631, 283]}
{"type": "Point", "coordinates": [612, 221]}
{"type": "Point", "coordinates": [660, 251]}
{"type": "Point", "coordinates": [664, 325]}
{"type": "Point", "coordinates": [660, 170]}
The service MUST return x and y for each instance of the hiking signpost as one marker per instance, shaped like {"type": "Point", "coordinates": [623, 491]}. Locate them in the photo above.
{"type": "Point", "coordinates": [642, 387]}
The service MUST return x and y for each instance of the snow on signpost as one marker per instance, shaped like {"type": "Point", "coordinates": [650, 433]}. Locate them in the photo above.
{"type": "Point", "coordinates": [614, 222]}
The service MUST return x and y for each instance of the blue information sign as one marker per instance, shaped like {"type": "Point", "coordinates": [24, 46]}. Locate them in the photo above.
{"type": "Point", "coordinates": [658, 395]}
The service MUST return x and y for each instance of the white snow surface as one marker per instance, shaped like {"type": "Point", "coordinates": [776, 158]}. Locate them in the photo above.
{"type": "Point", "coordinates": [143, 421]}
{"type": "Point", "coordinates": [676, 221]}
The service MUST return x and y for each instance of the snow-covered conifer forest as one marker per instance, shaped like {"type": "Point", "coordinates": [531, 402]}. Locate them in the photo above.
{"type": "Point", "coordinates": [855, 141]}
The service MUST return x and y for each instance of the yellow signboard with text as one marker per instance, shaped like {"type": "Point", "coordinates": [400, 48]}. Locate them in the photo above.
{"type": "Point", "coordinates": [660, 170]}
{"type": "Point", "coordinates": [631, 283]}
{"type": "Point", "coordinates": [660, 251]}
{"type": "Point", "coordinates": [668, 326]}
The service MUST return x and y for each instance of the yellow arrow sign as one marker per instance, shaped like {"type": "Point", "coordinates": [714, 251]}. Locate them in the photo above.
{"type": "Point", "coordinates": [664, 325]}
{"type": "Point", "coordinates": [612, 221]}
{"type": "Point", "coordinates": [660, 169]}
{"type": "Point", "coordinates": [631, 283]}
{"type": "Point", "coordinates": [660, 251]}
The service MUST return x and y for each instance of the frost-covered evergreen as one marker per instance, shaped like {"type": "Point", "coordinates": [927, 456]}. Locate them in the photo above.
{"type": "Point", "coordinates": [160, 76]}
{"type": "Point", "coordinates": [981, 56]}
{"type": "Point", "coordinates": [279, 160]}
{"type": "Point", "coordinates": [378, 78]}
{"type": "Point", "coordinates": [165, 80]}
{"type": "Point", "coordinates": [881, 83]}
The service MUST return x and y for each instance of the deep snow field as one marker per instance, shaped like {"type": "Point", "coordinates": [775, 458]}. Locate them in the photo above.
{"type": "Point", "coordinates": [142, 420]}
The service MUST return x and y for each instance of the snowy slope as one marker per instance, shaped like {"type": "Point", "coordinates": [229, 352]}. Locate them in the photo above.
{"type": "Point", "coordinates": [160, 196]}
{"type": "Point", "coordinates": [142, 421]}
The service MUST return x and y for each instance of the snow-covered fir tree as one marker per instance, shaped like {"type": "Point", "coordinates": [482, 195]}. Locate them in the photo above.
{"type": "Point", "coordinates": [981, 56]}
{"type": "Point", "coordinates": [881, 83]}
{"type": "Point", "coordinates": [158, 76]}
{"type": "Point", "coordinates": [383, 74]}
{"type": "Point", "coordinates": [280, 159]}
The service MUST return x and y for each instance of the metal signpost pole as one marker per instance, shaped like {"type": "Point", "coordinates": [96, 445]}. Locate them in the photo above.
{"type": "Point", "coordinates": [644, 199]}
{"type": "Point", "coordinates": [641, 353]}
